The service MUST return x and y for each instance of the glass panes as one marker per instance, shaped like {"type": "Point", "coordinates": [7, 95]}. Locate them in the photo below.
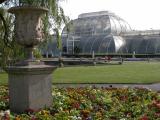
{"type": "Point", "coordinates": [105, 32]}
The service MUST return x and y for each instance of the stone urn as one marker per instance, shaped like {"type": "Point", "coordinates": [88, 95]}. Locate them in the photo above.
{"type": "Point", "coordinates": [28, 27]}
{"type": "Point", "coordinates": [30, 84]}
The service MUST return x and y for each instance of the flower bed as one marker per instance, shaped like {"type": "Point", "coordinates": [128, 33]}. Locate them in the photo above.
{"type": "Point", "coordinates": [91, 104]}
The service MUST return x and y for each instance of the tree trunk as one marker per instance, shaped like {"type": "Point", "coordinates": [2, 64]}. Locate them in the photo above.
{"type": "Point", "coordinates": [1, 1]}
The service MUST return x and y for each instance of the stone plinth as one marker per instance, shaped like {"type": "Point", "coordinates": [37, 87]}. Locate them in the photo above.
{"type": "Point", "coordinates": [30, 87]}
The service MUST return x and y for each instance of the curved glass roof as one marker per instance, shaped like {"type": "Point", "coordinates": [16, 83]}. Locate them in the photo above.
{"type": "Point", "coordinates": [99, 23]}
{"type": "Point", "coordinates": [117, 24]}
{"type": "Point", "coordinates": [97, 31]}
{"type": "Point", "coordinates": [105, 32]}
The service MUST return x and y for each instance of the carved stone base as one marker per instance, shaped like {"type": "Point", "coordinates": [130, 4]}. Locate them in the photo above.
{"type": "Point", "coordinates": [30, 87]}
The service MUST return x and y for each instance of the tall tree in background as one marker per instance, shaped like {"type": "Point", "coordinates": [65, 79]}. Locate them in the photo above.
{"type": "Point", "coordinates": [1, 1]}
{"type": "Point", "coordinates": [52, 22]}
{"type": "Point", "coordinates": [8, 48]}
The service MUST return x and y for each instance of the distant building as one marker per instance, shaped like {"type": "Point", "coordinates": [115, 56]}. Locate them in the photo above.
{"type": "Point", "coordinates": [50, 49]}
{"type": "Point", "coordinates": [104, 32]}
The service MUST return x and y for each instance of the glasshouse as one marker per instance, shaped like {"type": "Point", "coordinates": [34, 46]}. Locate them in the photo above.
{"type": "Point", "coordinates": [104, 32]}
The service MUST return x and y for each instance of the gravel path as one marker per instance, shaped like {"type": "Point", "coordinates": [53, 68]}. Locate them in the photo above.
{"type": "Point", "coordinates": [155, 87]}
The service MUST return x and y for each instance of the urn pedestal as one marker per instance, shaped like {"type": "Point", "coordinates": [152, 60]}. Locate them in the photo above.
{"type": "Point", "coordinates": [30, 82]}
{"type": "Point", "coordinates": [30, 87]}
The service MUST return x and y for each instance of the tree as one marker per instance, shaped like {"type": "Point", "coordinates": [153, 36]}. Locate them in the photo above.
{"type": "Point", "coordinates": [52, 21]}
{"type": "Point", "coordinates": [1, 1]}
{"type": "Point", "coordinates": [8, 48]}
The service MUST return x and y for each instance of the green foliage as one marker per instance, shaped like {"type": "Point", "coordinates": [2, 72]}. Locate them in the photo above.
{"type": "Point", "coordinates": [8, 48]}
{"type": "Point", "coordinates": [52, 21]}
{"type": "Point", "coordinates": [59, 42]}
{"type": "Point", "coordinates": [37, 53]}
{"type": "Point", "coordinates": [3, 78]}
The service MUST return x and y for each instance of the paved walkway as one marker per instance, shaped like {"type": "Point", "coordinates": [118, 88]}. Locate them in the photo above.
{"type": "Point", "coordinates": [155, 87]}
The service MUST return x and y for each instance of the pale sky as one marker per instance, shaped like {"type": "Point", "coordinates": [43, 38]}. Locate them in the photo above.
{"type": "Point", "coordinates": [140, 14]}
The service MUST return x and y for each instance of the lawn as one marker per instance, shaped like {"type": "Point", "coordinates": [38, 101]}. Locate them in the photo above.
{"type": "Point", "coordinates": [3, 78]}
{"type": "Point", "coordinates": [129, 72]}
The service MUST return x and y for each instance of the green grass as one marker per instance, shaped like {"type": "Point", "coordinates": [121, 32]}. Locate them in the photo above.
{"type": "Point", "coordinates": [129, 72]}
{"type": "Point", "coordinates": [3, 78]}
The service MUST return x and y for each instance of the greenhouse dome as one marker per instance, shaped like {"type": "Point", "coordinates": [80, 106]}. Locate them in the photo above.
{"type": "Point", "coordinates": [97, 31]}
{"type": "Point", "coordinates": [104, 33]}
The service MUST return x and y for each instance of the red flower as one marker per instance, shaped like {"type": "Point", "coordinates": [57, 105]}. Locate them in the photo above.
{"type": "Point", "coordinates": [6, 117]}
{"type": "Point", "coordinates": [144, 118]}
{"type": "Point", "coordinates": [29, 110]}
{"type": "Point", "coordinates": [158, 105]}
{"type": "Point", "coordinates": [123, 98]}
{"type": "Point", "coordinates": [34, 118]}
{"type": "Point", "coordinates": [76, 105]}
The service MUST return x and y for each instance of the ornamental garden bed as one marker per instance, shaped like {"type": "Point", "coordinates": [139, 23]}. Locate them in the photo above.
{"type": "Point", "coordinates": [91, 103]}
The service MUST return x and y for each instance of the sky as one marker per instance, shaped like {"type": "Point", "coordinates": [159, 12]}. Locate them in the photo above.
{"type": "Point", "coordinates": [140, 14]}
